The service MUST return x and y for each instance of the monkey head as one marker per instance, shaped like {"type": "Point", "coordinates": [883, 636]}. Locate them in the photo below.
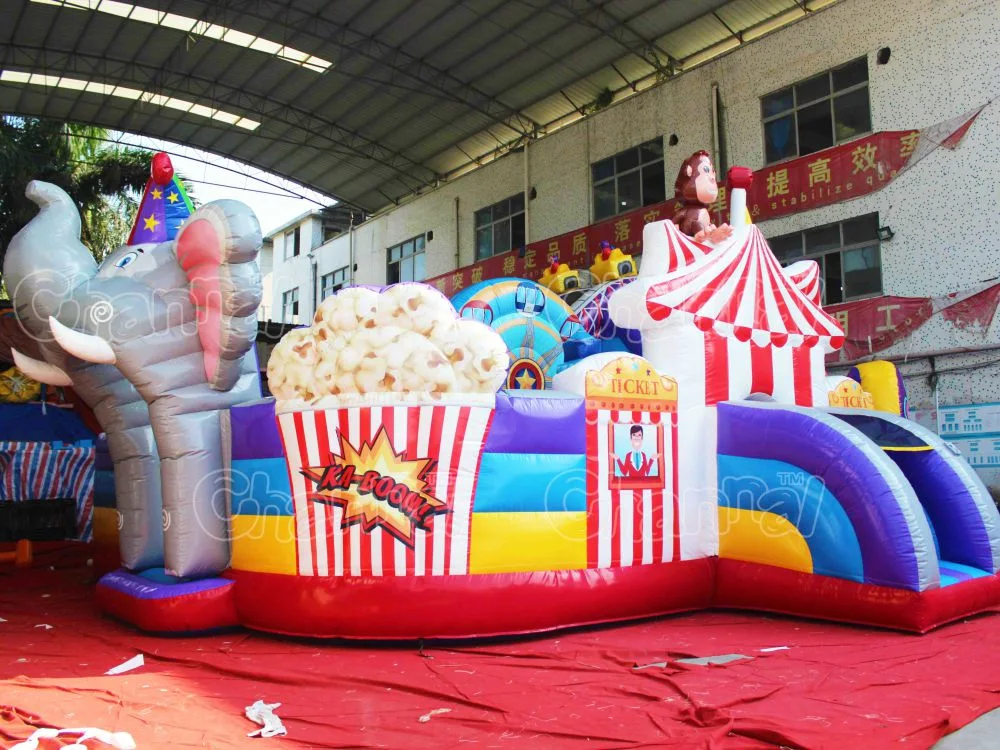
{"type": "Point", "coordinates": [695, 181]}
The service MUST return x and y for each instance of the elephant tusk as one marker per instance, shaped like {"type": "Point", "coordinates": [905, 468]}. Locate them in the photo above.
{"type": "Point", "coordinates": [83, 345]}
{"type": "Point", "coordinates": [43, 372]}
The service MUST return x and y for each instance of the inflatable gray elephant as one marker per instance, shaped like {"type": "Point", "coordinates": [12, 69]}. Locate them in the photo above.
{"type": "Point", "coordinates": [157, 339]}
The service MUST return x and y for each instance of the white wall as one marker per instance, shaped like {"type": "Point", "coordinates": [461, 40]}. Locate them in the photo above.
{"type": "Point", "coordinates": [945, 60]}
{"type": "Point", "coordinates": [265, 261]}
{"type": "Point", "coordinates": [289, 273]}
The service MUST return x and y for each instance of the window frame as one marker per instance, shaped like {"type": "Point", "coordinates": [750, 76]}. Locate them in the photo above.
{"type": "Point", "coordinates": [296, 245]}
{"type": "Point", "coordinates": [615, 176]}
{"type": "Point", "coordinates": [290, 298]}
{"type": "Point", "coordinates": [333, 277]}
{"type": "Point", "coordinates": [420, 239]}
{"type": "Point", "coordinates": [820, 256]}
{"type": "Point", "coordinates": [492, 224]}
{"type": "Point", "coordinates": [830, 97]}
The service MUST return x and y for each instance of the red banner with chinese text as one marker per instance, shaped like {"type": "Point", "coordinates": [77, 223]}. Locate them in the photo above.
{"type": "Point", "coordinates": [872, 325]}
{"type": "Point", "coordinates": [830, 176]}
{"type": "Point", "coordinates": [577, 249]}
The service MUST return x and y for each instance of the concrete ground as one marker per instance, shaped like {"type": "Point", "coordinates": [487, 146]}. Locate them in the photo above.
{"type": "Point", "coordinates": [982, 734]}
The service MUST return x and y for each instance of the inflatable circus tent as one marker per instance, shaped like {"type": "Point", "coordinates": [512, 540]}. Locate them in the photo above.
{"type": "Point", "coordinates": [754, 330]}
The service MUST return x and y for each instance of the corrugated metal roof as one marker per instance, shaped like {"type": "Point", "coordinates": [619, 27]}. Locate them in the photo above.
{"type": "Point", "coordinates": [398, 94]}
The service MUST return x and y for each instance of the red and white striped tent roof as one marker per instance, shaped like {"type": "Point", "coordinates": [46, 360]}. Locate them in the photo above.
{"type": "Point", "coordinates": [805, 275]}
{"type": "Point", "coordinates": [665, 240]}
{"type": "Point", "coordinates": [740, 290]}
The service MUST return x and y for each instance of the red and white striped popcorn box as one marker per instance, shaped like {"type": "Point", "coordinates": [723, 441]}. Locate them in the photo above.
{"type": "Point", "coordinates": [384, 486]}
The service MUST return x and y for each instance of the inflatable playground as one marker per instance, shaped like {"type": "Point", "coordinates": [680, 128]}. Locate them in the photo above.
{"type": "Point", "coordinates": [500, 462]}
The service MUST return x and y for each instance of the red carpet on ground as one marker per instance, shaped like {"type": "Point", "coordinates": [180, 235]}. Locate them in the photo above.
{"type": "Point", "coordinates": [833, 686]}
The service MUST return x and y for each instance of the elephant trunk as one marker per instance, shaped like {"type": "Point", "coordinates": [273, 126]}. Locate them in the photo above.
{"type": "Point", "coordinates": [46, 259]}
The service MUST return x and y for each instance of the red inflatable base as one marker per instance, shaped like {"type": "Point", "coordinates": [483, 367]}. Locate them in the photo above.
{"type": "Point", "coordinates": [197, 606]}
{"type": "Point", "coordinates": [469, 606]}
{"type": "Point", "coordinates": [765, 588]}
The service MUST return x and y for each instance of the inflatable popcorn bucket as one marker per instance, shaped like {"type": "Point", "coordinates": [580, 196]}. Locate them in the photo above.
{"type": "Point", "coordinates": [384, 489]}
{"type": "Point", "coordinates": [383, 403]}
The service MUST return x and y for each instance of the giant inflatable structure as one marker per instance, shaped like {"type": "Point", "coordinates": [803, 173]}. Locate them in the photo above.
{"type": "Point", "coordinates": [434, 468]}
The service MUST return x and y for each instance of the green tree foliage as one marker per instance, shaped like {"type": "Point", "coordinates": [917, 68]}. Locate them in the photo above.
{"type": "Point", "coordinates": [104, 180]}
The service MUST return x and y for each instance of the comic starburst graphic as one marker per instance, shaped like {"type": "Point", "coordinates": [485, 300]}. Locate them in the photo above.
{"type": "Point", "coordinates": [377, 487]}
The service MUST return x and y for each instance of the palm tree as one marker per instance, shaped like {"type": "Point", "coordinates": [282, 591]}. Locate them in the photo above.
{"type": "Point", "coordinates": [104, 180]}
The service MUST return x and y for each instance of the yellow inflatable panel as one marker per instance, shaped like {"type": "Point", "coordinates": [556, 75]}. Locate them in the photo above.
{"type": "Point", "coordinates": [106, 526]}
{"type": "Point", "coordinates": [761, 537]}
{"type": "Point", "coordinates": [264, 544]}
{"type": "Point", "coordinates": [517, 542]}
{"type": "Point", "coordinates": [881, 380]}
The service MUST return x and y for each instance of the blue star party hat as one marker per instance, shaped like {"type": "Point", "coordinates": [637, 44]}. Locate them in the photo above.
{"type": "Point", "coordinates": [165, 205]}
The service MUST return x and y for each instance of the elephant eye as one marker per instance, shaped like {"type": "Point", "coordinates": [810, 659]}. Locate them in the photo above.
{"type": "Point", "coordinates": [126, 259]}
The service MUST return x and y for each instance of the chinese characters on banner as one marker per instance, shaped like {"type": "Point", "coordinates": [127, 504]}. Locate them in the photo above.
{"type": "Point", "coordinates": [830, 176]}
{"type": "Point", "coordinates": [872, 325]}
{"type": "Point", "coordinates": [577, 249]}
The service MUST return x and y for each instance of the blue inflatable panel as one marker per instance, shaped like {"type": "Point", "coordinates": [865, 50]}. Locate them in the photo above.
{"type": "Point", "coordinates": [952, 573]}
{"type": "Point", "coordinates": [104, 489]}
{"type": "Point", "coordinates": [581, 348]}
{"type": "Point", "coordinates": [885, 433]}
{"type": "Point", "coordinates": [260, 488]}
{"type": "Point", "coordinates": [254, 430]}
{"type": "Point", "coordinates": [778, 487]}
{"type": "Point", "coordinates": [524, 482]}
{"type": "Point", "coordinates": [539, 422]}
{"type": "Point", "coordinates": [26, 423]}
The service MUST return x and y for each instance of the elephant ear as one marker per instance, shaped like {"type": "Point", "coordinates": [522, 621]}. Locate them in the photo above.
{"type": "Point", "coordinates": [217, 248]}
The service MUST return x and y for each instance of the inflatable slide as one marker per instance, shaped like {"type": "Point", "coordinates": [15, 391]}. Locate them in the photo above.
{"type": "Point", "coordinates": [854, 515]}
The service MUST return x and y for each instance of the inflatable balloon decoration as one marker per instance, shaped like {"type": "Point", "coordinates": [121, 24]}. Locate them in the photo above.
{"type": "Point", "coordinates": [612, 264]}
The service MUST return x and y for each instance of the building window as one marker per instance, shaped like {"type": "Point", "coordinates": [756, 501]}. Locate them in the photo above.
{"type": "Point", "coordinates": [817, 113]}
{"type": "Point", "coordinates": [406, 261]}
{"type": "Point", "coordinates": [628, 180]}
{"type": "Point", "coordinates": [500, 227]}
{"type": "Point", "coordinates": [293, 242]}
{"type": "Point", "coordinates": [332, 282]}
{"type": "Point", "coordinates": [290, 306]}
{"type": "Point", "coordinates": [848, 253]}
